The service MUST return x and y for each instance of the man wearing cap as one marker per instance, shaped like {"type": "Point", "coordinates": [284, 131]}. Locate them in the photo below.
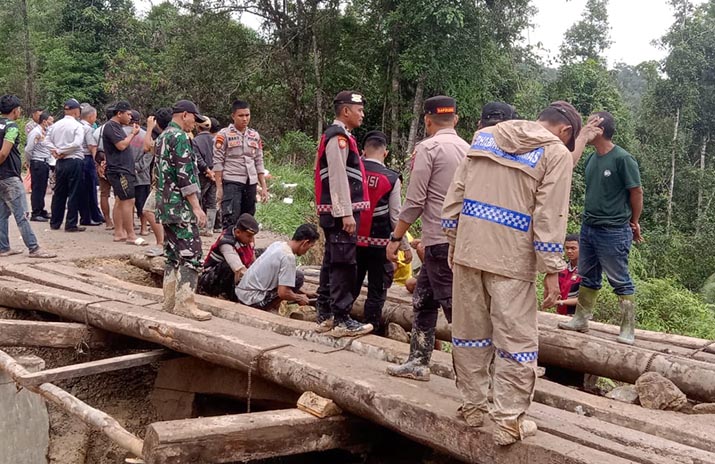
{"type": "Point", "coordinates": [229, 259]}
{"type": "Point", "coordinates": [495, 112]}
{"type": "Point", "coordinates": [65, 139]}
{"type": "Point", "coordinates": [179, 211]}
{"type": "Point", "coordinates": [614, 201]}
{"type": "Point", "coordinates": [505, 217]}
{"type": "Point", "coordinates": [340, 195]}
{"type": "Point", "coordinates": [434, 162]}
{"type": "Point", "coordinates": [376, 224]}
{"type": "Point", "coordinates": [238, 166]}
{"type": "Point", "coordinates": [203, 147]}
{"type": "Point", "coordinates": [12, 193]}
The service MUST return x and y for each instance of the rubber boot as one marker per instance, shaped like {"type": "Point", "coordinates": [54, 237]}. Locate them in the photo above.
{"type": "Point", "coordinates": [210, 219]}
{"type": "Point", "coordinates": [169, 287]}
{"type": "Point", "coordinates": [186, 284]}
{"type": "Point", "coordinates": [417, 365]}
{"type": "Point", "coordinates": [627, 304]}
{"type": "Point", "coordinates": [584, 311]}
{"type": "Point", "coordinates": [505, 436]}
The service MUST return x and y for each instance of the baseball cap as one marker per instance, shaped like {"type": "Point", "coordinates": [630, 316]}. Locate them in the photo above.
{"type": "Point", "coordinates": [248, 223]}
{"type": "Point", "coordinates": [497, 111]}
{"type": "Point", "coordinates": [72, 104]}
{"type": "Point", "coordinates": [122, 106]}
{"type": "Point", "coordinates": [189, 107]}
{"type": "Point", "coordinates": [568, 113]}
{"type": "Point", "coordinates": [441, 104]}
{"type": "Point", "coordinates": [215, 125]}
{"type": "Point", "coordinates": [9, 103]}
{"type": "Point", "coordinates": [349, 97]}
{"type": "Point", "coordinates": [136, 117]}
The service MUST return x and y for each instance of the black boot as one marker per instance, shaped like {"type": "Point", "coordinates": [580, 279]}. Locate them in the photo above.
{"type": "Point", "coordinates": [417, 365]}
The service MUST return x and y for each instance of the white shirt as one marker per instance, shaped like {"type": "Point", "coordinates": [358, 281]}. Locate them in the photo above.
{"type": "Point", "coordinates": [67, 136]}
{"type": "Point", "coordinates": [36, 148]}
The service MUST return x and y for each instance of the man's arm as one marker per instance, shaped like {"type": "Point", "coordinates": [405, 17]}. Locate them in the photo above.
{"type": "Point", "coordinates": [286, 293]}
{"type": "Point", "coordinates": [11, 132]}
{"type": "Point", "coordinates": [219, 160]}
{"type": "Point", "coordinates": [261, 170]}
{"type": "Point", "coordinates": [452, 207]}
{"type": "Point", "coordinates": [587, 134]}
{"type": "Point", "coordinates": [30, 145]}
{"type": "Point", "coordinates": [336, 153]}
{"type": "Point", "coordinates": [416, 190]}
{"type": "Point", "coordinates": [123, 143]}
{"type": "Point", "coordinates": [636, 197]}
{"type": "Point", "coordinates": [182, 158]}
{"type": "Point", "coordinates": [148, 140]}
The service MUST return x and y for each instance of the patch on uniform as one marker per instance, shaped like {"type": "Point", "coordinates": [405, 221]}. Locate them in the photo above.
{"type": "Point", "coordinates": [342, 142]}
{"type": "Point", "coordinates": [219, 141]}
{"type": "Point", "coordinates": [444, 109]}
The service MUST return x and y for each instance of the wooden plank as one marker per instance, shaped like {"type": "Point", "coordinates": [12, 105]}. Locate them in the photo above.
{"type": "Point", "coordinates": [96, 367]}
{"type": "Point", "coordinates": [248, 437]}
{"type": "Point", "coordinates": [51, 334]}
{"type": "Point", "coordinates": [318, 406]}
{"type": "Point", "coordinates": [425, 412]}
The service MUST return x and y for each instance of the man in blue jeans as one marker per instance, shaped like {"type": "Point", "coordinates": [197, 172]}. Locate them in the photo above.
{"type": "Point", "coordinates": [12, 192]}
{"type": "Point", "coordinates": [614, 201]}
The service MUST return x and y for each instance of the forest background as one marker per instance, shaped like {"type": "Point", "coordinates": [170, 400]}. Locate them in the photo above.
{"type": "Point", "coordinates": [399, 52]}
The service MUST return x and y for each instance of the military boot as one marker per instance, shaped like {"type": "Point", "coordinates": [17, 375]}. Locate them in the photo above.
{"type": "Point", "coordinates": [169, 287]}
{"type": "Point", "coordinates": [210, 219]}
{"type": "Point", "coordinates": [584, 311]}
{"type": "Point", "coordinates": [186, 295]}
{"type": "Point", "coordinates": [417, 365]}
{"type": "Point", "coordinates": [627, 303]}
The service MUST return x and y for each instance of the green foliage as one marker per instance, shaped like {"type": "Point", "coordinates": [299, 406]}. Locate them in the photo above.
{"type": "Point", "coordinates": [589, 37]}
{"type": "Point", "coordinates": [294, 148]}
{"type": "Point", "coordinates": [282, 217]}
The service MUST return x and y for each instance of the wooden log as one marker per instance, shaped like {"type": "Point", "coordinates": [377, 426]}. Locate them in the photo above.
{"type": "Point", "coordinates": [51, 334]}
{"type": "Point", "coordinates": [95, 367]}
{"type": "Point", "coordinates": [94, 417]}
{"type": "Point", "coordinates": [318, 406]}
{"type": "Point", "coordinates": [425, 412]}
{"type": "Point", "coordinates": [249, 437]}
{"type": "Point", "coordinates": [666, 424]}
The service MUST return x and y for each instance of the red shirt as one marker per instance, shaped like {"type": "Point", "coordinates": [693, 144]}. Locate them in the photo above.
{"type": "Point", "coordinates": [569, 281]}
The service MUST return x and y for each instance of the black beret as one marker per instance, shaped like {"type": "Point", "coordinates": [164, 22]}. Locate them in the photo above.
{"type": "Point", "coordinates": [248, 223]}
{"type": "Point", "coordinates": [349, 97]}
{"type": "Point", "coordinates": [441, 104]}
{"type": "Point", "coordinates": [376, 134]}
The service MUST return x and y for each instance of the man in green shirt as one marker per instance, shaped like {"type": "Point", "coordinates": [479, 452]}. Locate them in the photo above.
{"type": "Point", "coordinates": [614, 201]}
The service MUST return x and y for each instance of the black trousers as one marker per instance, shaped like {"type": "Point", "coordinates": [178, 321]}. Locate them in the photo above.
{"type": "Point", "coordinates": [89, 206]}
{"type": "Point", "coordinates": [39, 174]}
{"type": "Point", "coordinates": [237, 199]}
{"type": "Point", "coordinates": [338, 273]}
{"type": "Point", "coordinates": [68, 188]}
{"type": "Point", "coordinates": [218, 281]}
{"type": "Point", "coordinates": [434, 288]}
{"type": "Point", "coordinates": [373, 262]}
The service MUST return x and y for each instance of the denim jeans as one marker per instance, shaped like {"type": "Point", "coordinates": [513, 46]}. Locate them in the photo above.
{"type": "Point", "coordinates": [605, 249]}
{"type": "Point", "coordinates": [13, 201]}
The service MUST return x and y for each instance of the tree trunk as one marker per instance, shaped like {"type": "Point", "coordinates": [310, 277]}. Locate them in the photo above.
{"type": "Point", "coordinates": [701, 183]}
{"type": "Point", "coordinates": [318, 87]}
{"type": "Point", "coordinates": [416, 112]}
{"type": "Point", "coordinates": [395, 103]}
{"type": "Point", "coordinates": [29, 68]}
{"type": "Point", "coordinates": [671, 184]}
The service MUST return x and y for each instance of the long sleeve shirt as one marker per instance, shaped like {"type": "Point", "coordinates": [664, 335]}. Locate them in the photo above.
{"type": "Point", "coordinates": [36, 148]}
{"type": "Point", "coordinates": [239, 155]}
{"type": "Point", "coordinates": [66, 136]}
{"type": "Point", "coordinates": [336, 151]}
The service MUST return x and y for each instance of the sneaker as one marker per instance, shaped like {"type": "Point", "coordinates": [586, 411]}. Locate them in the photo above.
{"type": "Point", "coordinates": [527, 429]}
{"type": "Point", "coordinates": [325, 325]}
{"type": "Point", "coordinates": [75, 229]}
{"type": "Point", "coordinates": [349, 327]}
{"type": "Point", "coordinates": [11, 252]}
{"type": "Point", "coordinates": [38, 219]}
{"type": "Point", "coordinates": [40, 253]}
{"type": "Point", "coordinates": [154, 251]}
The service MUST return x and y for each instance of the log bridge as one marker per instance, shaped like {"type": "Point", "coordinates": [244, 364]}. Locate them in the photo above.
{"type": "Point", "coordinates": [574, 426]}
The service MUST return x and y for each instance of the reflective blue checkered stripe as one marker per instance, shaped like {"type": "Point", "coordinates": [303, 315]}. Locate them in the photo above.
{"type": "Point", "coordinates": [467, 343]}
{"type": "Point", "coordinates": [449, 223]}
{"type": "Point", "coordinates": [549, 247]}
{"type": "Point", "coordinates": [485, 142]}
{"type": "Point", "coordinates": [496, 214]}
{"type": "Point", "coordinates": [523, 357]}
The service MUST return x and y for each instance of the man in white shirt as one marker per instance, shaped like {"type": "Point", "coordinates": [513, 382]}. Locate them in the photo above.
{"type": "Point", "coordinates": [65, 140]}
{"type": "Point", "coordinates": [37, 155]}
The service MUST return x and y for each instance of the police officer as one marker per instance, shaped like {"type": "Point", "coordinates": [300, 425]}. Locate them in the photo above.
{"type": "Point", "coordinates": [433, 165]}
{"type": "Point", "coordinates": [340, 196]}
{"type": "Point", "coordinates": [180, 213]}
{"type": "Point", "coordinates": [376, 224]}
{"type": "Point", "coordinates": [238, 166]}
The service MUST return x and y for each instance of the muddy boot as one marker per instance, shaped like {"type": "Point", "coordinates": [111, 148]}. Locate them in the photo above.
{"type": "Point", "coordinates": [185, 295]}
{"type": "Point", "coordinates": [210, 219]}
{"type": "Point", "coordinates": [504, 436]}
{"type": "Point", "coordinates": [169, 287]}
{"type": "Point", "coordinates": [472, 415]}
{"type": "Point", "coordinates": [627, 304]}
{"type": "Point", "coordinates": [584, 311]}
{"type": "Point", "coordinates": [417, 365]}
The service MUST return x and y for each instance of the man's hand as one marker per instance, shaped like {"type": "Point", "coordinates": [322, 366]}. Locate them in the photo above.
{"type": "Point", "coordinates": [302, 299]}
{"type": "Point", "coordinates": [200, 217]}
{"type": "Point", "coordinates": [552, 292]}
{"type": "Point", "coordinates": [636, 228]}
{"type": "Point", "coordinates": [591, 130]}
{"type": "Point", "coordinates": [349, 224]}
{"type": "Point", "coordinates": [150, 123]}
{"type": "Point", "coordinates": [391, 251]}
{"type": "Point", "coordinates": [450, 256]}
{"type": "Point", "coordinates": [264, 196]}
{"type": "Point", "coordinates": [135, 129]}
{"type": "Point", "coordinates": [238, 275]}
{"type": "Point", "coordinates": [408, 256]}
{"type": "Point", "coordinates": [210, 174]}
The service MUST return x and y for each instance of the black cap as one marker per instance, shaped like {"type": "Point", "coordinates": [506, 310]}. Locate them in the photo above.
{"type": "Point", "coordinates": [72, 104]}
{"type": "Point", "coordinates": [215, 125]}
{"type": "Point", "coordinates": [570, 115]}
{"type": "Point", "coordinates": [163, 117]}
{"type": "Point", "coordinates": [441, 104]}
{"type": "Point", "coordinates": [497, 112]}
{"type": "Point", "coordinates": [349, 97]}
{"type": "Point", "coordinates": [189, 107]}
{"type": "Point", "coordinates": [136, 117]}
{"type": "Point", "coordinates": [122, 106]}
{"type": "Point", "coordinates": [248, 223]}
{"type": "Point", "coordinates": [9, 103]}
{"type": "Point", "coordinates": [376, 134]}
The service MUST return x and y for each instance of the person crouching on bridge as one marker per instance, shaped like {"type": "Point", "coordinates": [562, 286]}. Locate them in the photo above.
{"type": "Point", "coordinates": [505, 218]}
{"type": "Point", "coordinates": [229, 259]}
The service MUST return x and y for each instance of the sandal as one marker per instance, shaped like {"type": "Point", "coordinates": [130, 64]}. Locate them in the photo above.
{"type": "Point", "coordinates": [138, 242]}
{"type": "Point", "coordinates": [109, 227]}
{"type": "Point", "coordinates": [155, 251]}
{"type": "Point", "coordinates": [11, 252]}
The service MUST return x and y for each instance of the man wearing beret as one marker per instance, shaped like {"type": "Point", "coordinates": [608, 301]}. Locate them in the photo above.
{"type": "Point", "coordinates": [505, 218]}
{"type": "Point", "coordinates": [376, 224]}
{"type": "Point", "coordinates": [434, 162]}
{"type": "Point", "coordinates": [341, 194]}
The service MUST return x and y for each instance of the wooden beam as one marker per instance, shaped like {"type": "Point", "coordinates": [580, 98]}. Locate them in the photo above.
{"type": "Point", "coordinates": [96, 367]}
{"type": "Point", "coordinates": [69, 403]}
{"type": "Point", "coordinates": [51, 334]}
{"type": "Point", "coordinates": [249, 437]}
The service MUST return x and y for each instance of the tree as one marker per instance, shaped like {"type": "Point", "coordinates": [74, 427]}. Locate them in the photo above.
{"type": "Point", "coordinates": [589, 38]}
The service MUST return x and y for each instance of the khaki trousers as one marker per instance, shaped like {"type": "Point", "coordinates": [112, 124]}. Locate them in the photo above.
{"type": "Point", "coordinates": [494, 320]}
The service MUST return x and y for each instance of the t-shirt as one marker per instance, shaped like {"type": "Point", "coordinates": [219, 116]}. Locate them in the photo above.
{"type": "Point", "coordinates": [12, 164]}
{"type": "Point", "coordinates": [142, 161]}
{"type": "Point", "coordinates": [608, 178]}
{"type": "Point", "coordinates": [569, 283]}
{"type": "Point", "coordinates": [118, 161]}
{"type": "Point", "coordinates": [276, 266]}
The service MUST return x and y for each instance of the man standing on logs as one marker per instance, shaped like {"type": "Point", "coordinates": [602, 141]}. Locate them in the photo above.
{"type": "Point", "coordinates": [505, 218]}
{"type": "Point", "coordinates": [614, 201]}
{"type": "Point", "coordinates": [179, 211]}
{"type": "Point", "coordinates": [340, 195]}
{"type": "Point", "coordinates": [434, 162]}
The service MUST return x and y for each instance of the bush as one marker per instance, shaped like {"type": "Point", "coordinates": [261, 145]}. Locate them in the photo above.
{"type": "Point", "coordinates": [295, 148]}
{"type": "Point", "coordinates": [282, 217]}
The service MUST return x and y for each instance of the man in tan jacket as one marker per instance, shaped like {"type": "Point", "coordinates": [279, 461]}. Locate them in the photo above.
{"type": "Point", "coordinates": [505, 218]}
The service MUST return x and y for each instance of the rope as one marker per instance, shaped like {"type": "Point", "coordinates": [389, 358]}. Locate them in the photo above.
{"type": "Point", "coordinates": [701, 349]}
{"type": "Point", "coordinates": [253, 365]}
{"type": "Point", "coordinates": [649, 364]}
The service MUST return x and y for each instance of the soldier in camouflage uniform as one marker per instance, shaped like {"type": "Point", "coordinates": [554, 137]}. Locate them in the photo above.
{"type": "Point", "coordinates": [179, 211]}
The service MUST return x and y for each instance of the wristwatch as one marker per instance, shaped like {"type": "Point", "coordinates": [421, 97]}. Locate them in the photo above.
{"type": "Point", "coordinates": [395, 239]}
